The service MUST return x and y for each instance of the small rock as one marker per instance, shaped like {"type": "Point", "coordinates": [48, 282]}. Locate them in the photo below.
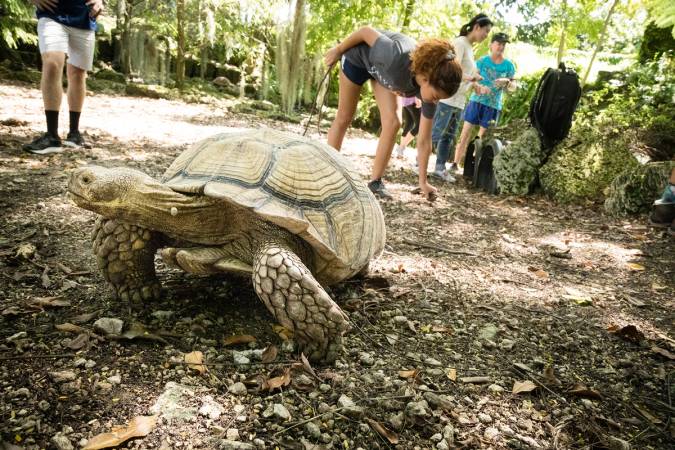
{"type": "Point", "coordinates": [449, 434]}
{"type": "Point", "coordinates": [238, 409]}
{"type": "Point", "coordinates": [22, 392]}
{"type": "Point", "coordinates": [232, 434]}
{"type": "Point", "coordinates": [396, 421]}
{"type": "Point", "coordinates": [238, 388]}
{"type": "Point", "coordinates": [259, 443]}
{"type": "Point", "coordinates": [436, 437]}
{"type": "Point", "coordinates": [80, 362]}
{"type": "Point", "coordinates": [442, 446]}
{"type": "Point", "coordinates": [63, 376]}
{"type": "Point", "coordinates": [288, 346]}
{"type": "Point", "coordinates": [366, 359]}
{"type": "Point", "coordinates": [488, 332]}
{"type": "Point", "coordinates": [103, 386]}
{"type": "Point", "coordinates": [281, 412]}
{"type": "Point", "coordinates": [226, 444]}
{"type": "Point", "coordinates": [313, 430]}
{"type": "Point", "coordinates": [506, 344]}
{"type": "Point", "coordinates": [43, 405]}
{"type": "Point", "coordinates": [345, 401]}
{"type": "Point", "coordinates": [162, 315]}
{"type": "Point", "coordinates": [417, 410]}
{"type": "Point", "coordinates": [61, 442]}
{"type": "Point", "coordinates": [109, 326]}
{"type": "Point", "coordinates": [240, 358]}
{"type": "Point", "coordinates": [495, 388]}
{"type": "Point", "coordinates": [115, 379]}
{"type": "Point", "coordinates": [438, 401]}
{"type": "Point", "coordinates": [433, 362]}
{"type": "Point", "coordinates": [211, 409]}
{"type": "Point", "coordinates": [484, 418]}
{"type": "Point", "coordinates": [400, 319]}
{"type": "Point", "coordinates": [491, 433]}
{"type": "Point", "coordinates": [89, 364]}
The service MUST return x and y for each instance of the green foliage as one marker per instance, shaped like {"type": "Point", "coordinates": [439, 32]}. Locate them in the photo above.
{"type": "Point", "coordinates": [517, 165]}
{"type": "Point", "coordinates": [517, 104]}
{"type": "Point", "coordinates": [663, 13]}
{"type": "Point", "coordinates": [638, 104]}
{"type": "Point", "coordinates": [15, 23]}
{"type": "Point", "coordinates": [585, 164]}
{"type": "Point", "coordinates": [634, 190]}
{"type": "Point", "coordinates": [655, 42]}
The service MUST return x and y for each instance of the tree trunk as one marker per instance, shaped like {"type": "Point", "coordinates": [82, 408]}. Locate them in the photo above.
{"type": "Point", "coordinates": [561, 45]}
{"type": "Point", "coordinates": [126, 37]}
{"type": "Point", "coordinates": [290, 47]}
{"type": "Point", "coordinates": [408, 7]}
{"type": "Point", "coordinates": [601, 40]}
{"type": "Point", "coordinates": [180, 56]}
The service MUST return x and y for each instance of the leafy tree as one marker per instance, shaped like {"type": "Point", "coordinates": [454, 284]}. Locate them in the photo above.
{"type": "Point", "coordinates": [663, 13]}
{"type": "Point", "coordinates": [14, 19]}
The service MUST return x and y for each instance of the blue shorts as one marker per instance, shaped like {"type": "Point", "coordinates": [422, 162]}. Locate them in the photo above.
{"type": "Point", "coordinates": [357, 75]}
{"type": "Point", "coordinates": [479, 114]}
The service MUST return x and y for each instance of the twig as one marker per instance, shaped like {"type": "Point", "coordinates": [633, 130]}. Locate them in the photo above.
{"type": "Point", "coordinates": [302, 422]}
{"type": "Point", "coordinates": [438, 247]}
{"type": "Point", "coordinates": [13, 358]}
{"type": "Point", "coordinates": [540, 384]}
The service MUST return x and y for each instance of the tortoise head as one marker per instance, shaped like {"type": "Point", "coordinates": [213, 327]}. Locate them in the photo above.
{"type": "Point", "coordinates": [116, 192]}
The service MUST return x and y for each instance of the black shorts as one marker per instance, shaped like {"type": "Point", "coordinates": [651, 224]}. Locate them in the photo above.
{"type": "Point", "coordinates": [411, 120]}
{"type": "Point", "coordinates": [357, 75]}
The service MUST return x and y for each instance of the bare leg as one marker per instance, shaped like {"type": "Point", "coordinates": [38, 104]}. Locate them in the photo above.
{"type": "Point", "coordinates": [76, 87]}
{"type": "Point", "coordinates": [126, 256]}
{"type": "Point", "coordinates": [481, 132]}
{"type": "Point", "coordinates": [292, 294]}
{"type": "Point", "coordinates": [391, 123]}
{"type": "Point", "coordinates": [52, 72]}
{"type": "Point", "coordinates": [406, 140]}
{"type": "Point", "coordinates": [348, 99]}
{"type": "Point", "coordinates": [463, 143]}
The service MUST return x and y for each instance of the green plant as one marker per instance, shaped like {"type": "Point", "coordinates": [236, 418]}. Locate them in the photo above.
{"type": "Point", "coordinates": [517, 104]}
{"type": "Point", "coordinates": [516, 167]}
{"type": "Point", "coordinates": [635, 189]}
{"type": "Point", "coordinates": [15, 23]}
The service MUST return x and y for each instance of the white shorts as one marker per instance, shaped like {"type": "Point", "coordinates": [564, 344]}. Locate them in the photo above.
{"type": "Point", "coordinates": [77, 43]}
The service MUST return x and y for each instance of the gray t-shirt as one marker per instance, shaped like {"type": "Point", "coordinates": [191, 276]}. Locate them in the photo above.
{"type": "Point", "coordinates": [388, 62]}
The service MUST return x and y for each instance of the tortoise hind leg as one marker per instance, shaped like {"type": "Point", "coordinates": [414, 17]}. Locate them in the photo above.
{"type": "Point", "coordinates": [126, 256]}
{"type": "Point", "coordinates": [299, 303]}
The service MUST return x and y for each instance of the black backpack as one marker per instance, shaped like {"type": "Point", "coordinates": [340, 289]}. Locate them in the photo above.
{"type": "Point", "coordinates": [554, 103]}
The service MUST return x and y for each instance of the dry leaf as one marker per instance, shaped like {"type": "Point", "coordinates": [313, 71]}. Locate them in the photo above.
{"type": "Point", "coordinates": [26, 250]}
{"type": "Point", "coordinates": [138, 427]}
{"type": "Point", "coordinates": [391, 338]}
{"type": "Point", "coordinates": [277, 382]}
{"type": "Point", "coordinates": [452, 374]}
{"type": "Point", "coordinates": [580, 390]}
{"type": "Point", "coordinates": [307, 366]}
{"type": "Point", "coordinates": [663, 352]}
{"type": "Point", "coordinates": [195, 361]}
{"type": "Point", "coordinates": [11, 311]}
{"type": "Point", "coordinates": [628, 332]}
{"type": "Point", "coordinates": [283, 332]}
{"type": "Point", "coordinates": [48, 301]}
{"type": "Point", "coordinates": [648, 415]}
{"type": "Point", "coordinates": [238, 339]}
{"type": "Point", "coordinates": [70, 328]}
{"type": "Point", "coordinates": [137, 330]}
{"type": "Point", "coordinates": [442, 329]}
{"type": "Point", "coordinates": [636, 267]}
{"type": "Point", "coordinates": [84, 318]}
{"type": "Point", "coordinates": [79, 342]}
{"type": "Point", "coordinates": [523, 386]}
{"type": "Point", "coordinates": [269, 354]}
{"type": "Point", "coordinates": [383, 431]}
{"type": "Point", "coordinates": [408, 373]}
{"type": "Point", "coordinates": [539, 273]}
{"type": "Point", "coordinates": [549, 376]}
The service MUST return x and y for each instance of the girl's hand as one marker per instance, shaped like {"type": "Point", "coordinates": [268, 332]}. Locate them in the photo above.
{"type": "Point", "coordinates": [332, 56]}
{"type": "Point", "coordinates": [96, 8]}
{"type": "Point", "coordinates": [480, 89]}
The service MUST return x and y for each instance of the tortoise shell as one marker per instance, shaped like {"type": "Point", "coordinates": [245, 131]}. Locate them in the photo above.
{"type": "Point", "coordinates": [303, 186]}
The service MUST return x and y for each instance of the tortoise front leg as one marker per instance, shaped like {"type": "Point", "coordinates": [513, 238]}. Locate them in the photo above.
{"type": "Point", "coordinates": [299, 303]}
{"type": "Point", "coordinates": [126, 256]}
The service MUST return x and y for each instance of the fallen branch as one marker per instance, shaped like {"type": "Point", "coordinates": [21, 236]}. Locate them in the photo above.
{"type": "Point", "coordinates": [438, 247]}
{"type": "Point", "coordinates": [14, 358]}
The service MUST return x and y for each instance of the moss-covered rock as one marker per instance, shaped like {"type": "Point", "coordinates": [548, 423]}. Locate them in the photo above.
{"type": "Point", "coordinates": [634, 190]}
{"type": "Point", "coordinates": [110, 75]}
{"type": "Point", "coordinates": [583, 166]}
{"type": "Point", "coordinates": [516, 166]}
{"type": "Point", "coordinates": [148, 90]}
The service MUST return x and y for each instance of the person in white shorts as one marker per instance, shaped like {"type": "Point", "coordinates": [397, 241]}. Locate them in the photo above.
{"type": "Point", "coordinates": [65, 27]}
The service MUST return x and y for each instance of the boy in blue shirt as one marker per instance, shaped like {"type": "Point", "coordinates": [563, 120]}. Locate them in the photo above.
{"type": "Point", "coordinates": [65, 27]}
{"type": "Point", "coordinates": [483, 109]}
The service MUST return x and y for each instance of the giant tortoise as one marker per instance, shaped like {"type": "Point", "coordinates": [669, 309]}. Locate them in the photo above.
{"type": "Point", "coordinates": [287, 210]}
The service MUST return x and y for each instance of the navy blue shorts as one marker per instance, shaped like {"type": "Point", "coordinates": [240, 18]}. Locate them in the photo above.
{"type": "Point", "coordinates": [357, 75]}
{"type": "Point", "coordinates": [479, 114]}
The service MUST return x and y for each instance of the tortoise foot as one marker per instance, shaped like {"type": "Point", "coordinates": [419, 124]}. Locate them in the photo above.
{"type": "Point", "coordinates": [125, 254]}
{"type": "Point", "coordinates": [299, 303]}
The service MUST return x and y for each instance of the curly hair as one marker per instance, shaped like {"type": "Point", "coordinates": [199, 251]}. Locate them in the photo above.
{"type": "Point", "coordinates": [435, 59]}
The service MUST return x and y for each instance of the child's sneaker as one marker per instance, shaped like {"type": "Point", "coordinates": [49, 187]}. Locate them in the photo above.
{"type": "Point", "coordinates": [443, 175]}
{"type": "Point", "coordinates": [400, 152]}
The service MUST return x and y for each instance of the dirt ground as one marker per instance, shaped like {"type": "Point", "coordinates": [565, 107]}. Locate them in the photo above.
{"type": "Point", "coordinates": [488, 322]}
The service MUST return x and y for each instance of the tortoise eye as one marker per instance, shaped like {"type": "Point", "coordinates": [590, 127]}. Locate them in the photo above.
{"type": "Point", "coordinates": [86, 179]}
